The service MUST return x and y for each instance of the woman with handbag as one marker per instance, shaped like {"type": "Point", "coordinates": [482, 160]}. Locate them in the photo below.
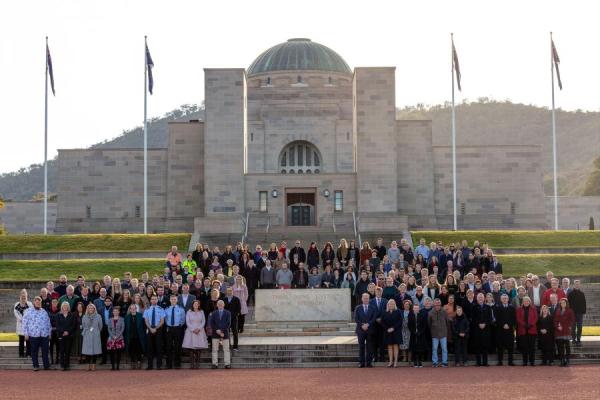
{"type": "Point", "coordinates": [115, 342]}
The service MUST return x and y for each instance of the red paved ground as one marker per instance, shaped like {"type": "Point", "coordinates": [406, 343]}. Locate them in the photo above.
{"type": "Point", "coordinates": [578, 382]}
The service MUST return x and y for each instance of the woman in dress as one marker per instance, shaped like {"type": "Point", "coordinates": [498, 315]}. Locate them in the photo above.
{"type": "Point", "coordinates": [391, 320]}
{"type": "Point", "coordinates": [240, 290]}
{"type": "Point", "coordinates": [19, 309]}
{"type": "Point", "coordinates": [545, 327]}
{"type": "Point", "coordinates": [135, 336]}
{"type": "Point", "coordinates": [195, 336]}
{"type": "Point", "coordinates": [115, 342]}
{"type": "Point", "coordinates": [405, 344]}
{"type": "Point", "coordinates": [65, 330]}
{"type": "Point", "coordinates": [527, 330]}
{"type": "Point", "coordinates": [564, 318]}
{"type": "Point", "coordinates": [91, 325]}
{"type": "Point", "coordinates": [125, 302]}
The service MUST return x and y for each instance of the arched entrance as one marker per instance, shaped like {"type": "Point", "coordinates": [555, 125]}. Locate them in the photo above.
{"type": "Point", "coordinates": [300, 207]}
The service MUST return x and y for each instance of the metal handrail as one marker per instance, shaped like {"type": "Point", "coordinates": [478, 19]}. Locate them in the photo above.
{"type": "Point", "coordinates": [268, 224]}
{"type": "Point", "coordinates": [333, 223]}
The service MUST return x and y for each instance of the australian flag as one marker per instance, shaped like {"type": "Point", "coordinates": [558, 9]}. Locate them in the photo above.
{"type": "Point", "coordinates": [456, 65]}
{"type": "Point", "coordinates": [49, 68]}
{"type": "Point", "coordinates": [149, 66]}
{"type": "Point", "coordinates": [556, 61]}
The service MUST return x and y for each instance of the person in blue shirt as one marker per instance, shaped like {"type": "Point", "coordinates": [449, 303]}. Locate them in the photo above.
{"type": "Point", "coordinates": [423, 249]}
{"type": "Point", "coordinates": [36, 329]}
{"type": "Point", "coordinates": [174, 320]}
{"type": "Point", "coordinates": [154, 318]}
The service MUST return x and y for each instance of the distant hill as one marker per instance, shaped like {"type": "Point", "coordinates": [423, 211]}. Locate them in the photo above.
{"type": "Point", "coordinates": [27, 182]}
{"type": "Point", "coordinates": [578, 135]}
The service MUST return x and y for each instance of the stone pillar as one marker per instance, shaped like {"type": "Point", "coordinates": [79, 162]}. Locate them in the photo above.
{"type": "Point", "coordinates": [224, 141]}
{"type": "Point", "coordinates": [375, 139]}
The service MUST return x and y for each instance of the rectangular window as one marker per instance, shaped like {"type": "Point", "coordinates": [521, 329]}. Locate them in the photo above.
{"type": "Point", "coordinates": [513, 208]}
{"type": "Point", "coordinates": [262, 201]}
{"type": "Point", "coordinates": [88, 211]}
{"type": "Point", "coordinates": [137, 211]}
{"type": "Point", "coordinates": [338, 199]}
{"type": "Point", "coordinates": [463, 208]}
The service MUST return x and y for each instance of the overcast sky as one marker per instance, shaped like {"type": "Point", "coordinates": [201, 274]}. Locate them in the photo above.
{"type": "Point", "coordinates": [97, 51]}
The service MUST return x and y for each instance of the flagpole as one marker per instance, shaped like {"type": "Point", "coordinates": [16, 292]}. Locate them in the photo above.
{"type": "Point", "coordinates": [145, 138]}
{"type": "Point", "coordinates": [453, 138]}
{"type": "Point", "coordinates": [554, 139]}
{"type": "Point", "coordinates": [46, 146]}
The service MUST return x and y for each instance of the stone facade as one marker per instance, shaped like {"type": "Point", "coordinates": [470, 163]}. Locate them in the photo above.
{"type": "Point", "coordinates": [27, 217]}
{"type": "Point", "coordinates": [574, 212]}
{"type": "Point", "coordinates": [301, 139]}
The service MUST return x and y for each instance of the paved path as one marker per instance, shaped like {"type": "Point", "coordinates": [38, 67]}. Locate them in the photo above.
{"type": "Point", "coordinates": [578, 382]}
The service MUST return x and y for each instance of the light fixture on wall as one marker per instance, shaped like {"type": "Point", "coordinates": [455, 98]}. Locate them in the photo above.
{"type": "Point", "coordinates": [274, 193]}
{"type": "Point", "coordinates": [326, 193]}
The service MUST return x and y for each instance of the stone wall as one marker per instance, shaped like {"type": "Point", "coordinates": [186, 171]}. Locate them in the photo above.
{"type": "Point", "coordinates": [415, 172]}
{"type": "Point", "coordinates": [375, 134]}
{"type": "Point", "coordinates": [224, 141]}
{"type": "Point", "coordinates": [185, 175]}
{"type": "Point", "coordinates": [276, 207]}
{"type": "Point", "coordinates": [317, 110]}
{"type": "Point", "coordinates": [27, 217]}
{"type": "Point", "coordinates": [102, 190]}
{"type": "Point", "coordinates": [497, 187]}
{"type": "Point", "coordinates": [573, 212]}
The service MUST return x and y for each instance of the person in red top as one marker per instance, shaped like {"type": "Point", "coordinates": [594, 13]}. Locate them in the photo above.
{"type": "Point", "coordinates": [553, 289]}
{"type": "Point", "coordinates": [527, 330]}
{"type": "Point", "coordinates": [564, 318]}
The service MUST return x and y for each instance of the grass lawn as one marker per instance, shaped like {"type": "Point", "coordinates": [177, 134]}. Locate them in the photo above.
{"type": "Point", "coordinates": [92, 269]}
{"type": "Point", "coordinates": [518, 239]}
{"type": "Point", "coordinates": [560, 264]}
{"type": "Point", "coordinates": [99, 243]}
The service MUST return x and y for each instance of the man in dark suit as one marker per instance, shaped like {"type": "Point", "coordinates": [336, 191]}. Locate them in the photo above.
{"type": "Point", "coordinates": [506, 322]}
{"type": "Point", "coordinates": [233, 305]}
{"type": "Point", "coordinates": [185, 299]}
{"type": "Point", "coordinates": [364, 316]}
{"type": "Point", "coordinates": [380, 304]}
{"type": "Point", "coordinates": [297, 255]}
{"type": "Point", "coordinates": [220, 322]}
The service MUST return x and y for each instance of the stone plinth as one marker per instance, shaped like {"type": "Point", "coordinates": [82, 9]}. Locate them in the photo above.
{"type": "Point", "coordinates": [302, 305]}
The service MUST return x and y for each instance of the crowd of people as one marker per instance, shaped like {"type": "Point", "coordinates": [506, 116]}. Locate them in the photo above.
{"type": "Point", "coordinates": [409, 303]}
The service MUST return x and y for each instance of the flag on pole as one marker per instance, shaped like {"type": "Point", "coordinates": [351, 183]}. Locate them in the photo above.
{"type": "Point", "coordinates": [556, 61]}
{"type": "Point", "coordinates": [149, 66]}
{"type": "Point", "coordinates": [49, 68]}
{"type": "Point", "coordinates": [455, 65]}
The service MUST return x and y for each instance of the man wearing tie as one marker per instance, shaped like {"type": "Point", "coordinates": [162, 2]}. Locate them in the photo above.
{"type": "Point", "coordinates": [154, 317]}
{"type": "Point", "coordinates": [364, 316]}
{"type": "Point", "coordinates": [175, 317]}
{"type": "Point", "coordinates": [220, 322]}
{"type": "Point", "coordinates": [506, 322]}
{"type": "Point", "coordinates": [233, 305]}
{"type": "Point", "coordinates": [380, 304]}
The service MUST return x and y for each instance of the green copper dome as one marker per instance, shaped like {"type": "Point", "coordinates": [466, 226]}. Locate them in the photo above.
{"type": "Point", "coordinates": [298, 54]}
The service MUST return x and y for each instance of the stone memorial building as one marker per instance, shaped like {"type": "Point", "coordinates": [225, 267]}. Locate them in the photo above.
{"type": "Point", "coordinates": [300, 139]}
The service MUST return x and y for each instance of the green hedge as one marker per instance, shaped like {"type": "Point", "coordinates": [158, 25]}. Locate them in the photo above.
{"type": "Point", "coordinates": [93, 269]}
{"type": "Point", "coordinates": [93, 243]}
{"type": "Point", "coordinates": [514, 239]}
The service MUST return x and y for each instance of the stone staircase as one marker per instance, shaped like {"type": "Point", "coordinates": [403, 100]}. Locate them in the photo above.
{"type": "Point", "coordinates": [293, 356]}
{"type": "Point", "coordinates": [285, 329]}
